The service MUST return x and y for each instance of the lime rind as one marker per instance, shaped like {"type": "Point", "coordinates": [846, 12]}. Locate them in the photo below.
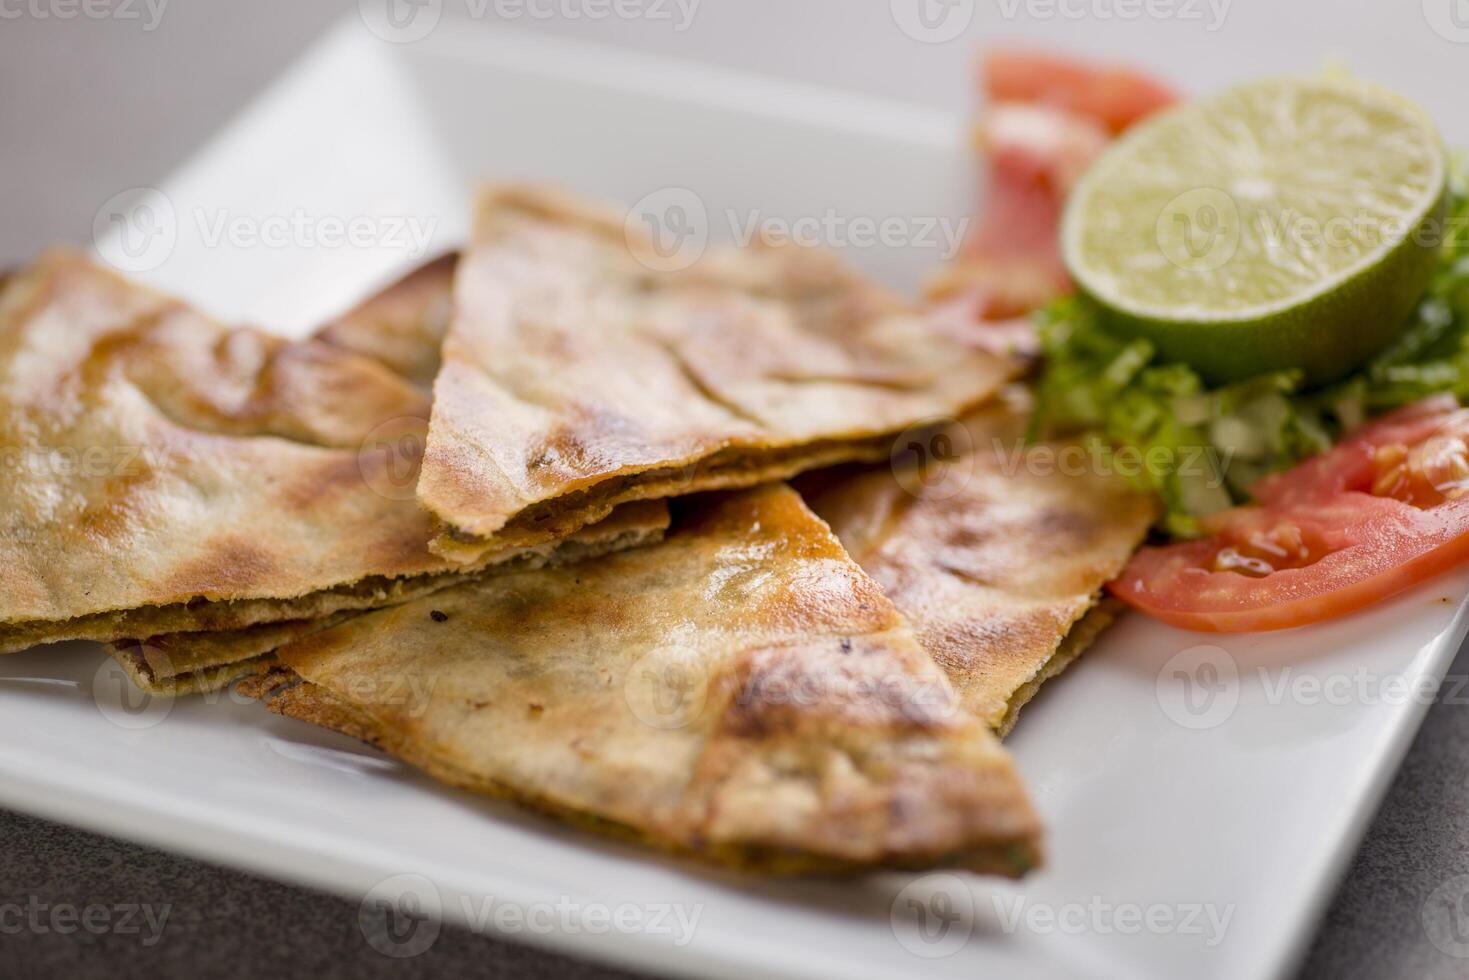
{"type": "Point", "coordinates": [1287, 223]}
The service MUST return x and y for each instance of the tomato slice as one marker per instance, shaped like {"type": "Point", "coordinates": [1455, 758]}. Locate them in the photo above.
{"type": "Point", "coordinates": [1384, 510]}
{"type": "Point", "coordinates": [1048, 119]}
{"type": "Point", "coordinates": [1357, 462]}
{"type": "Point", "coordinates": [1014, 256]}
{"type": "Point", "coordinates": [1113, 96]}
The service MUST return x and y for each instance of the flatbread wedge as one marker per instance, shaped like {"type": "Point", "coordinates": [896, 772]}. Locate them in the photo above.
{"type": "Point", "coordinates": [178, 664]}
{"type": "Point", "coordinates": [168, 474]}
{"type": "Point", "coordinates": [193, 662]}
{"type": "Point", "coordinates": [576, 376]}
{"type": "Point", "coordinates": [997, 556]}
{"type": "Point", "coordinates": [402, 326]}
{"type": "Point", "coordinates": [741, 691]}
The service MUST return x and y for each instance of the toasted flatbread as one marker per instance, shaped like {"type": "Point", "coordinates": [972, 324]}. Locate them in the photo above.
{"type": "Point", "coordinates": [170, 474]}
{"type": "Point", "coordinates": [576, 377]}
{"type": "Point", "coordinates": [400, 326]}
{"type": "Point", "coordinates": [177, 664]}
{"type": "Point", "coordinates": [741, 691]}
{"type": "Point", "coordinates": [997, 557]}
{"type": "Point", "coordinates": [403, 325]}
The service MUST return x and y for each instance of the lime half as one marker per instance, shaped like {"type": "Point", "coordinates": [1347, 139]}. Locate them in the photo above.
{"type": "Point", "coordinates": [1287, 223]}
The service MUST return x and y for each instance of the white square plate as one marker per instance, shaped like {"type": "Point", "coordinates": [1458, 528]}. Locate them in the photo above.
{"type": "Point", "coordinates": [1201, 794]}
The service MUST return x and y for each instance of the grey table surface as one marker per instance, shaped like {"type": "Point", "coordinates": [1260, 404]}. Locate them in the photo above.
{"type": "Point", "coordinates": [91, 104]}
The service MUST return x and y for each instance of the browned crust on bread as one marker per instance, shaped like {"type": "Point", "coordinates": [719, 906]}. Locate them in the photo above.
{"type": "Point", "coordinates": [575, 377]}
{"type": "Point", "coordinates": [817, 734]}
{"type": "Point", "coordinates": [995, 557]}
{"type": "Point", "coordinates": [212, 473]}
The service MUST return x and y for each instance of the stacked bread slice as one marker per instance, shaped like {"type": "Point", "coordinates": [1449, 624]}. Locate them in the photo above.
{"type": "Point", "coordinates": [518, 519]}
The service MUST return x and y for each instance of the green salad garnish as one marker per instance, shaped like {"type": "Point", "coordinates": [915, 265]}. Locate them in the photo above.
{"type": "Point", "coordinates": [1201, 448]}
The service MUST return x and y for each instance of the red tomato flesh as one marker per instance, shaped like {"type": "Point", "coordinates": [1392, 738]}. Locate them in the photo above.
{"type": "Point", "coordinates": [1115, 97]}
{"type": "Point", "coordinates": [1048, 119]}
{"type": "Point", "coordinates": [1384, 510]}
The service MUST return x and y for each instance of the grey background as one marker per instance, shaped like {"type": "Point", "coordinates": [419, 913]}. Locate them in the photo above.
{"type": "Point", "coordinates": [89, 106]}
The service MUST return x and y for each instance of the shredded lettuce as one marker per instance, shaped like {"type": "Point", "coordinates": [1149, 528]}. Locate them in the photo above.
{"type": "Point", "coordinates": [1200, 448]}
{"type": "Point", "coordinates": [1196, 447]}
